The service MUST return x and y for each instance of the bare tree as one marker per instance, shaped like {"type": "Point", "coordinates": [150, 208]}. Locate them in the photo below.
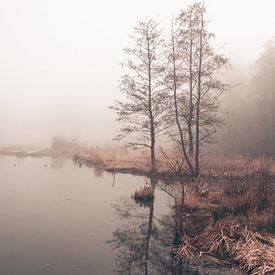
{"type": "Point", "coordinates": [174, 81]}
{"type": "Point", "coordinates": [186, 36]}
{"type": "Point", "coordinates": [209, 86]}
{"type": "Point", "coordinates": [141, 114]}
{"type": "Point", "coordinates": [195, 83]}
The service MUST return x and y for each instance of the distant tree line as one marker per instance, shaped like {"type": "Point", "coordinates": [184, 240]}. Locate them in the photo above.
{"type": "Point", "coordinates": [60, 143]}
{"type": "Point", "coordinates": [172, 87]}
{"type": "Point", "coordinates": [250, 109]}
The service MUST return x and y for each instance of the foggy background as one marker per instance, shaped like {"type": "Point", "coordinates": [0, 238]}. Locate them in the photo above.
{"type": "Point", "coordinates": [60, 60]}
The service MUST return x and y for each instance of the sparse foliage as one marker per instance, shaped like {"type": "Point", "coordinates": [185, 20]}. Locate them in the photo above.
{"type": "Point", "coordinates": [141, 113]}
{"type": "Point", "coordinates": [193, 78]}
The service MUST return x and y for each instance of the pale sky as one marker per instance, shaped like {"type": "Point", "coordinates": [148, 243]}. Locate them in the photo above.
{"type": "Point", "coordinates": [59, 59]}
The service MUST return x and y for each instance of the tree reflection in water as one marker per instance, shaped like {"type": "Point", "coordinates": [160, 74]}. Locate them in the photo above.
{"type": "Point", "coordinates": [134, 240]}
{"type": "Point", "coordinates": [143, 242]}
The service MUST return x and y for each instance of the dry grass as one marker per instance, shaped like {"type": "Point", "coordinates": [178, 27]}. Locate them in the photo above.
{"type": "Point", "coordinates": [255, 253]}
{"type": "Point", "coordinates": [191, 200]}
{"type": "Point", "coordinates": [263, 221]}
{"type": "Point", "coordinates": [212, 166]}
{"type": "Point", "coordinates": [224, 243]}
{"type": "Point", "coordinates": [116, 159]}
{"type": "Point", "coordinates": [216, 239]}
{"type": "Point", "coordinates": [231, 236]}
{"type": "Point", "coordinates": [237, 167]}
{"type": "Point", "coordinates": [248, 197]}
{"type": "Point", "coordinates": [144, 194]}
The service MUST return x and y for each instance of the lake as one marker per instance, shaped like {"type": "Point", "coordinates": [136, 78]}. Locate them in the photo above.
{"type": "Point", "coordinates": [59, 218]}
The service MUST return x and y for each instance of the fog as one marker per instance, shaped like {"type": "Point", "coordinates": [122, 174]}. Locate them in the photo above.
{"type": "Point", "coordinates": [60, 60]}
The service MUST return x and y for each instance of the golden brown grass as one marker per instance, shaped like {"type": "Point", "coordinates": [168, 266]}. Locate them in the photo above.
{"type": "Point", "coordinates": [116, 159]}
{"type": "Point", "coordinates": [224, 243]}
{"type": "Point", "coordinates": [240, 229]}
{"type": "Point", "coordinates": [212, 166]}
{"type": "Point", "coordinates": [191, 200]}
{"type": "Point", "coordinates": [238, 167]}
{"type": "Point", "coordinates": [144, 194]}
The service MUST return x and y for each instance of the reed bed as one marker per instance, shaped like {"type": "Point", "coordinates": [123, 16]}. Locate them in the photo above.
{"type": "Point", "coordinates": [224, 244]}
{"type": "Point", "coordinates": [144, 194]}
{"type": "Point", "coordinates": [237, 167]}
{"type": "Point", "coordinates": [220, 167]}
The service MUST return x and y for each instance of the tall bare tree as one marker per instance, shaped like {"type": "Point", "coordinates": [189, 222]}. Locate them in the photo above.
{"type": "Point", "coordinates": [186, 36]}
{"type": "Point", "coordinates": [196, 85]}
{"type": "Point", "coordinates": [141, 113]}
{"type": "Point", "coordinates": [174, 81]}
{"type": "Point", "coordinates": [209, 86]}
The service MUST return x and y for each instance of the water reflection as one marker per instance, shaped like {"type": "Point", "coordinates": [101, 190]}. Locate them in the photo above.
{"type": "Point", "coordinates": [141, 244]}
{"type": "Point", "coordinates": [133, 241]}
{"type": "Point", "coordinates": [57, 163]}
{"type": "Point", "coordinates": [98, 172]}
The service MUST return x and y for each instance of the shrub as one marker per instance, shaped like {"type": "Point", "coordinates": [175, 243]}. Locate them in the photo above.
{"type": "Point", "coordinates": [144, 194]}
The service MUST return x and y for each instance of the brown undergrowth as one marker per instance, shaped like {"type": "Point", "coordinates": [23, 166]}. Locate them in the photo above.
{"type": "Point", "coordinates": [232, 227]}
{"type": "Point", "coordinates": [224, 244]}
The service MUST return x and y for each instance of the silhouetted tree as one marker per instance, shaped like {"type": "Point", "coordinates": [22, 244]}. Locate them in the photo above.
{"type": "Point", "coordinates": [141, 113]}
{"type": "Point", "coordinates": [193, 76]}
{"type": "Point", "coordinates": [174, 81]}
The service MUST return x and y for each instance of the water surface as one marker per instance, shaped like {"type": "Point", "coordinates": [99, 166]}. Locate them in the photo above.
{"type": "Point", "coordinates": [59, 218]}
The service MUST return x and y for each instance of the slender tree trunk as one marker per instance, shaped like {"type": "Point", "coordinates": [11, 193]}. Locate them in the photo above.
{"type": "Point", "coordinates": [182, 142]}
{"type": "Point", "coordinates": [190, 118]}
{"type": "Point", "coordinates": [272, 124]}
{"type": "Point", "coordinates": [181, 206]}
{"type": "Point", "coordinates": [197, 154]}
{"type": "Point", "coordinates": [153, 157]}
{"type": "Point", "coordinates": [152, 133]}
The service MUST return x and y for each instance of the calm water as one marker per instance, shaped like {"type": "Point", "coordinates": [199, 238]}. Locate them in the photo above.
{"type": "Point", "coordinates": [58, 218]}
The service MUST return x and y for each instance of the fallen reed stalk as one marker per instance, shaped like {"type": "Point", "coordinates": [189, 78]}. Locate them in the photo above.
{"type": "Point", "coordinates": [225, 244]}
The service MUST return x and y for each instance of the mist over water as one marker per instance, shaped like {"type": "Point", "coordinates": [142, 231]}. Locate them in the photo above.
{"type": "Point", "coordinates": [60, 60]}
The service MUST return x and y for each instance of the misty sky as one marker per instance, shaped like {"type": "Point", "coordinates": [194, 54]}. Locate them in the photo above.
{"type": "Point", "coordinates": [59, 59]}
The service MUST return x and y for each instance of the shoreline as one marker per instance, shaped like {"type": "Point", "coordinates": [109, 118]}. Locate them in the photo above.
{"type": "Point", "coordinates": [140, 169]}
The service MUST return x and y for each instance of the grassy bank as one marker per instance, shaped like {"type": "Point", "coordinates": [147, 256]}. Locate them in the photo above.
{"type": "Point", "coordinates": [215, 167]}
